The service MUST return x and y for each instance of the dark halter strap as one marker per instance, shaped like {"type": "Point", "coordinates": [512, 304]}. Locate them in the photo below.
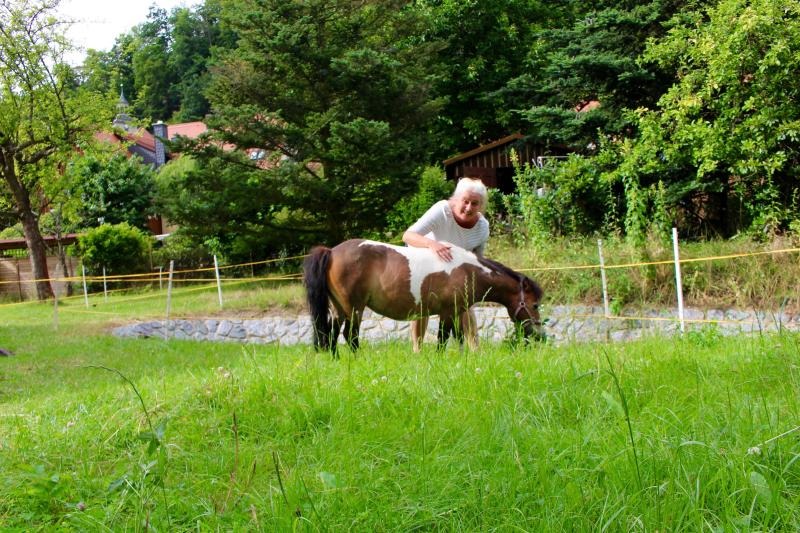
{"type": "Point", "coordinates": [522, 306]}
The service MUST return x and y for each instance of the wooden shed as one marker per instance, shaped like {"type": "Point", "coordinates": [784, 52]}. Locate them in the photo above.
{"type": "Point", "coordinates": [492, 162]}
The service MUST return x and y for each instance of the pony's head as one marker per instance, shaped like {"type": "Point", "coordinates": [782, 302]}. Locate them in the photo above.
{"type": "Point", "coordinates": [524, 309]}
{"type": "Point", "coordinates": [522, 303]}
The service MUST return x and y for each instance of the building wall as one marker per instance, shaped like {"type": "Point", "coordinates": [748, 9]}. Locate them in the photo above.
{"type": "Point", "coordinates": [16, 277]}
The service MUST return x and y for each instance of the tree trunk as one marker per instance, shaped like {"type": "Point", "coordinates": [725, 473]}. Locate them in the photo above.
{"type": "Point", "coordinates": [38, 255]}
{"type": "Point", "coordinates": [30, 228]}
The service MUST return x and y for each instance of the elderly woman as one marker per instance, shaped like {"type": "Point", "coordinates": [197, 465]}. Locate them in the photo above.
{"type": "Point", "coordinates": [459, 221]}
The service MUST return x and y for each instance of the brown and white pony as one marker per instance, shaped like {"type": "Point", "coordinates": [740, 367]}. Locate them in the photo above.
{"type": "Point", "coordinates": [405, 283]}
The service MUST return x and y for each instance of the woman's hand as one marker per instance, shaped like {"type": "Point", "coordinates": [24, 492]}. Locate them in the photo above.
{"type": "Point", "coordinates": [441, 249]}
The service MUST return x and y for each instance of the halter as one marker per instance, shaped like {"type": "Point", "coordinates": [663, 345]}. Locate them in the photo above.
{"type": "Point", "coordinates": [522, 306]}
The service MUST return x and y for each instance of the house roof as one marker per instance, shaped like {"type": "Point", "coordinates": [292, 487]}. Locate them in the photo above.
{"type": "Point", "coordinates": [483, 148]}
{"type": "Point", "coordinates": [49, 240]}
{"type": "Point", "coordinates": [191, 130]}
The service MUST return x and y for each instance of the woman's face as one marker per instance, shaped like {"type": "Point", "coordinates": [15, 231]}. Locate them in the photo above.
{"type": "Point", "coordinates": [467, 207]}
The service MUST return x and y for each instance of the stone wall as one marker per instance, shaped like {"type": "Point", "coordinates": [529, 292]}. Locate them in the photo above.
{"type": "Point", "coordinates": [563, 324]}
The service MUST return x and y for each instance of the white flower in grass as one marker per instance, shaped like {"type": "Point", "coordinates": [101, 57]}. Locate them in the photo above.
{"type": "Point", "coordinates": [478, 370]}
{"type": "Point", "coordinates": [518, 374]}
{"type": "Point", "coordinates": [384, 379]}
{"type": "Point", "coordinates": [374, 381]}
{"type": "Point", "coordinates": [755, 450]}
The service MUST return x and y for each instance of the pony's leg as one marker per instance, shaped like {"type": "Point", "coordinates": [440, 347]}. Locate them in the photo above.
{"type": "Point", "coordinates": [352, 325]}
{"type": "Point", "coordinates": [418, 329]}
{"type": "Point", "coordinates": [469, 329]}
{"type": "Point", "coordinates": [446, 327]}
{"type": "Point", "coordinates": [333, 338]}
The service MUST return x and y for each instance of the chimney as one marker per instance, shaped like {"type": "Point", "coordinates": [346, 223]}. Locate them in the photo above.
{"type": "Point", "coordinates": [160, 134]}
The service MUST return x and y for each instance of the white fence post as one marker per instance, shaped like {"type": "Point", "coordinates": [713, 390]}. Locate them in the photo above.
{"type": "Point", "coordinates": [160, 283]}
{"type": "Point", "coordinates": [603, 277]}
{"type": "Point", "coordinates": [85, 291]}
{"type": "Point", "coordinates": [678, 281]}
{"type": "Point", "coordinates": [55, 309]}
{"type": "Point", "coordinates": [219, 283]}
{"type": "Point", "coordinates": [105, 286]}
{"type": "Point", "coordinates": [169, 297]}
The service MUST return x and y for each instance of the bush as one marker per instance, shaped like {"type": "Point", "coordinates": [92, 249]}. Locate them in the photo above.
{"type": "Point", "coordinates": [562, 199]}
{"type": "Point", "coordinates": [120, 248]}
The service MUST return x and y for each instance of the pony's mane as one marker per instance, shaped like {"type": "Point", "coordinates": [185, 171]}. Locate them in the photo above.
{"type": "Point", "coordinates": [502, 269]}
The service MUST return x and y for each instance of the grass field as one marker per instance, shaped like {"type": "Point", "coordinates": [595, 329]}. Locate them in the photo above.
{"type": "Point", "coordinates": [98, 433]}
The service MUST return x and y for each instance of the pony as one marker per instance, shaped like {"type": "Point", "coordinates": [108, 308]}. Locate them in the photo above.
{"type": "Point", "coordinates": [405, 283]}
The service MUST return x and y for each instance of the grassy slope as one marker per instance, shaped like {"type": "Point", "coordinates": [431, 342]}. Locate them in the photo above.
{"type": "Point", "coordinates": [531, 439]}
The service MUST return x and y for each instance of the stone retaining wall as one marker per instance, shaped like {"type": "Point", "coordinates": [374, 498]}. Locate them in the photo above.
{"type": "Point", "coordinates": [564, 324]}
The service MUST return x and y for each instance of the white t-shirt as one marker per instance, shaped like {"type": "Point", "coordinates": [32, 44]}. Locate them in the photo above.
{"type": "Point", "coordinates": [439, 224]}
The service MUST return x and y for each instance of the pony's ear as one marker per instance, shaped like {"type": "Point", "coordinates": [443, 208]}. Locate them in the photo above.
{"type": "Point", "coordinates": [533, 287]}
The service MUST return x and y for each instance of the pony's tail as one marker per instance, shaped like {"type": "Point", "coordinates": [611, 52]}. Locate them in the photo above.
{"type": "Point", "coordinates": [315, 279]}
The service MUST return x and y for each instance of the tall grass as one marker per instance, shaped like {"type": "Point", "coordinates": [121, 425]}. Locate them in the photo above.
{"type": "Point", "coordinates": [264, 438]}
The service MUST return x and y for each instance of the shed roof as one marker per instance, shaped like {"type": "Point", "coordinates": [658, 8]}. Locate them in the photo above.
{"type": "Point", "coordinates": [483, 148]}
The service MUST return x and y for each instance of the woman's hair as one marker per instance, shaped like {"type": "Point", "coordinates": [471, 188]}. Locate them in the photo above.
{"type": "Point", "coordinates": [472, 185]}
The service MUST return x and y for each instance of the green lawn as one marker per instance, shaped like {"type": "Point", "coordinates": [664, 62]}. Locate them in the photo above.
{"type": "Point", "coordinates": [658, 435]}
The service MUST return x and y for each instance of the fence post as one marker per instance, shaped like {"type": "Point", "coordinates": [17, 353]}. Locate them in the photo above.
{"type": "Point", "coordinates": [219, 283]}
{"type": "Point", "coordinates": [603, 277]}
{"type": "Point", "coordinates": [160, 284]}
{"type": "Point", "coordinates": [105, 287]}
{"type": "Point", "coordinates": [169, 297]}
{"type": "Point", "coordinates": [55, 309]}
{"type": "Point", "coordinates": [678, 281]}
{"type": "Point", "coordinates": [85, 291]}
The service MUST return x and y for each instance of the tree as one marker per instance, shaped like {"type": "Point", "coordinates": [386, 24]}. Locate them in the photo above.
{"type": "Point", "coordinates": [162, 62]}
{"type": "Point", "coordinates": [725, 139]}
{"type": "Point", "coordinates": [42, 115]}
{"type": "Point", "coordinates": [112, 189]}
{"type": "Point", "coordinates": [594, 56]}
{"type": "Point", "coordinates": [484, 45]}
{"type": "Point", "coordinates": [336, 95]}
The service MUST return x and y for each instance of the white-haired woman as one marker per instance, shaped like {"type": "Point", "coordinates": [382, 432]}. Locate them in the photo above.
{"type": "Point", "coordinates": [456, 221]}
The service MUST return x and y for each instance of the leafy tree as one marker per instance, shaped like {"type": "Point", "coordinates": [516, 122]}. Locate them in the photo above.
{"type": "Point", "coordinates": [42, 116]}
{"type": "Point", "coordinates": [594, 57]}
{"type": "Point", "coordinates": [485, 44]}
{"type": "Point", "coordinates": [337, 95]}
{"type": "Point", "coordinates": [112, 189]}
{"type": "Point", "coordinates": [725, 140]}
{"type": "Point", "coordinates": [162, 63]}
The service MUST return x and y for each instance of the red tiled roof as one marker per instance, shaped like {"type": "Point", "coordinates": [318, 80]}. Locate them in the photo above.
{"type": "Point", "coordinates": [192, 130]}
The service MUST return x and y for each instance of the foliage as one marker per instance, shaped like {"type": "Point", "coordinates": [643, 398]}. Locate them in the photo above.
{"type": "Point", "coordinates": [485, 45]}
{"type": "Point", "coordinates": [593, 56]}
{"type": "Point", "coordinates": [111, 189]}
{"type": "Point", "coordinates": [432, 187]}
{"type": "Point", "coordinates": [724, 140]}
{"type": "Point", "coordinates": [230, 215]}
{"type": "Point", "coordinates": [119, 248]}
{"type": "Point", "coordinates": [184, 251]}
{"type": "Point", "coordinates": [565, 197]}
{"type": "Point", "coordinates": [162, 63]}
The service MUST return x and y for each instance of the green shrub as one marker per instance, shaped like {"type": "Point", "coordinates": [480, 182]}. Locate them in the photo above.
{"type": "Point", "coordinates": [120, 248]}
{"type": "Point", "coordinates": [561, 199]}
